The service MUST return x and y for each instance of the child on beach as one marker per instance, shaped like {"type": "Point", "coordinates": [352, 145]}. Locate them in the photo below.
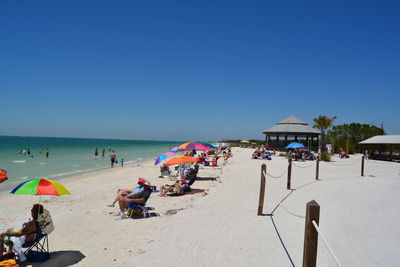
{"type": "Point", "coordinates": [122, 162]}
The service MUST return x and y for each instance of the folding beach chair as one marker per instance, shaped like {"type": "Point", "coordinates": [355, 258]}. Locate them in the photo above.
{"type": "Point", "coordinates": [132, 207]}
{"type": "Point", "coordinates": [40, 244]}
{"type": "Point", "coordinates": [38, 249]}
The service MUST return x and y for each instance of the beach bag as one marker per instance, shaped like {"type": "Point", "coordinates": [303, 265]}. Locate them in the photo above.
{"type": "Point", "coordinates": [37, 256]}
{"type": "Point", "coordinates": [131, 212]}
{"type": "Point", "coordinates": [45, 222]}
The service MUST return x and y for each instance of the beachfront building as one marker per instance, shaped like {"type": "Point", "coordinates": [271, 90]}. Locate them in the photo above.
{"type": "Point", "coordinates": [383, 147]}
{"type": "Point", "coordinates": [290, 130]}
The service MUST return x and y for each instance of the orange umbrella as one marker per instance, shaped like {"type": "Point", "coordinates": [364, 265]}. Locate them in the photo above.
{"type": "Point", "coordinates": [3, 176]}
{"type": "Point", "coordinates": [180, 160]}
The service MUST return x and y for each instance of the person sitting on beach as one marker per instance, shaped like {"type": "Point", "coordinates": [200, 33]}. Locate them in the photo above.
{"type": "Point", "coordinates": [138, 198]}
{"type": "Point", "coordinates": [196, 169]}
{"type": "Point", "coordinates": [215, 161]}
{"type": "Point", "coordinates": [343, 155]}
{"type": "Point", "coordinates": [125, 192]}
{"type": "Point", "coordinates": [28, 233]}
{"type": "Point", "coordinates": [202, 158]}
{"type": "Point", "coordinates": [164, 170]}
{"type": "Point", "coordinates": [177, 188]}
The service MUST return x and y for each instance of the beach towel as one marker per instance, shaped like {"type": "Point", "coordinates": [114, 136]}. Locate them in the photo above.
{"type": "Point", "coordinates": [9, 263]}
{"type": "Point", "coordinates": [17, 246]}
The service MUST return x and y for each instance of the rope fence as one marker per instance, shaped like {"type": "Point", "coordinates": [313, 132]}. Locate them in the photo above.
{"type": "Point", "coordinates": [280, 204]}
{"type": "Point", "coordinates": [312, 230]}
{"type": "Point", "coordinates": [335, 259]}
{"type": "Point", "coordinates": [273, 176]}
{"type": "Point", "coordinates": [298, 166]}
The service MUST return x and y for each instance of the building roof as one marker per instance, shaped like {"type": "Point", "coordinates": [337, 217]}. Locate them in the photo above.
{"type": "Point", "coordinates": [292, 125]}
{"type": "Point", "coordinates": [382, 139]}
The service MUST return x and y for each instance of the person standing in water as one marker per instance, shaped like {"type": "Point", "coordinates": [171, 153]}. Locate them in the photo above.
{"type": "Point", "coordinates": [96, 153]}
{"type": "Point", "coordinates": [103, 153]}
{"type": "Point", "coordinates": [47, 153]}
{"type": "Point", "coordinates": [113, 158]}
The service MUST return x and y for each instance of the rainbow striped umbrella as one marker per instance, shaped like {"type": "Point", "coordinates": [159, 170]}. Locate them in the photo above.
{"type": "Point", "coordinates": [209, 145]}
{"type": "Point", "coordinates": [40, 187]}
{"type": "Point", "coordinates": [193, 146]}
{"type": "Point", "coordinates": [163, 157]}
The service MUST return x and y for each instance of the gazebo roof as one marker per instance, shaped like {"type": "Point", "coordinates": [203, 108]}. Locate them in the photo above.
{"type": "Point", "coordinates": [292, 125]}
{"type": "Point", "coordinates": [382, 139]}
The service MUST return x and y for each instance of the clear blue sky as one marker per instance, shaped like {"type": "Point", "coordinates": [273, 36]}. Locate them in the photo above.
{"type": "Point", "coordinates": [168, 70]}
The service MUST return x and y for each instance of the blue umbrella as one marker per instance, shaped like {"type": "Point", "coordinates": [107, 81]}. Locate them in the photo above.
{"type": "Point", "coordinates": [294, 145]}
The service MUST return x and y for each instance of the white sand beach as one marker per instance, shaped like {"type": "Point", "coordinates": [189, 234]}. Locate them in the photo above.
{"type": "Point", "coordinates": [220, 226]}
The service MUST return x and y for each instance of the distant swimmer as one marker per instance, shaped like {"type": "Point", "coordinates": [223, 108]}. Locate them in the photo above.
{"type": "Point", "coordinates": [103, 152]}
{"type": "Point", "coordinates": [47, 152]}
{"type": "Point", "coordinates": [113, 158]}
{"type": "Point", "coordinates": [19, 152]}
{"type": "Point", "coordinates": [96, 153]}
{"type": "Point", "coordinates": [29, 152]}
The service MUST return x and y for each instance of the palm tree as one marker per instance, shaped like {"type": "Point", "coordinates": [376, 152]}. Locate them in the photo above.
{"type": "Point", "coordinates": [323, 123]}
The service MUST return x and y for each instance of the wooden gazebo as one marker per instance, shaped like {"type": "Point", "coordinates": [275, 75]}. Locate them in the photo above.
{"type": "Point", "coordinates": [290, 130]}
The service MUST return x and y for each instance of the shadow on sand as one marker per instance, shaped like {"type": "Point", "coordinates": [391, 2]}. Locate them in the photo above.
{"type": "Point", "coordinates": [58, 258]}
{"type": "Point", "coordinates": [206, 179]}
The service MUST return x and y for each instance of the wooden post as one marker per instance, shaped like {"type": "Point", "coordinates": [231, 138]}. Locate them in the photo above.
{"type": "Point", "coordinates": [317, 169]}
{"type": "Point", "coordinates": [289, 174]}
{"type": "Point", "coordinates": [362, 165]}
{"type": "Point", "coordinates": [311, 235]}
{"type": "Point", "coordinates": [262, 190]}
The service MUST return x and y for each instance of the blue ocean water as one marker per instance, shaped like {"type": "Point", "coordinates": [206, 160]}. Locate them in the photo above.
{"type": "Point", "coordinates": [68, 156]}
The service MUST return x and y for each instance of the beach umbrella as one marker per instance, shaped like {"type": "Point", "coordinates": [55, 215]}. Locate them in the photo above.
{"type": "Point", "coordinates": [3, 175]}
{"type": "Point", "coordinates": [193, 146]}
{"type": "Point", "coordinates": [209, 145]}
{"type": "Point", "coordinates": [294, 145]}
{"type": "Point", "coordinates": [164, 156]}
{"type": "Point", "coordinates": [40, 187]}
{"type": "Point", "coordinates": [180, 160]}
{"type": "Point", "coordinates": [245, 141]}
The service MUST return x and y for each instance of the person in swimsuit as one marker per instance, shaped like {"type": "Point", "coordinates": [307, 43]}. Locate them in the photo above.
{"type": "Point", "coordinates": [113, 158]}
{"type": "Point", "coordinates": [96, 152]}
